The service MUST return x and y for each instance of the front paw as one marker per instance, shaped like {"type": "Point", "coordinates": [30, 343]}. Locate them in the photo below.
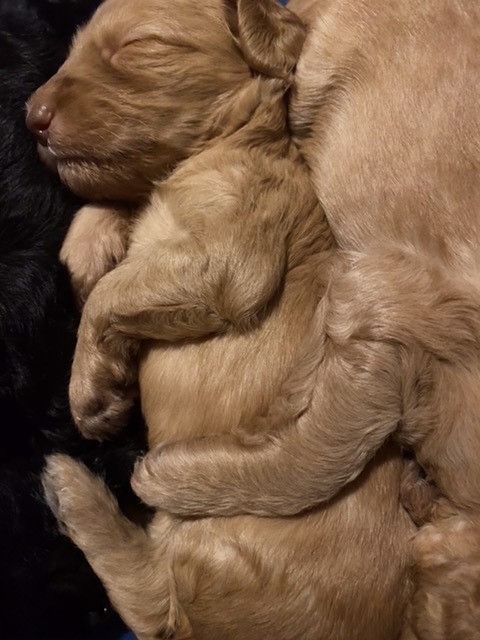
{"type": "Point", "coordinates": [101, 395]}
{"type": "Point", "coordinates": [145, 480]}
{"type": "Point", "coordinates": [103, 413]}
{"type": "Point", "coordinates": [179, 478]}
{"type": "Point", "coordinates": [96, 241]}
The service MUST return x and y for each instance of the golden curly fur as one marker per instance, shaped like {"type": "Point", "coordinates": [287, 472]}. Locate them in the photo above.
{"type": "Point", "coordinates": [445, 563]}
{"type": "Point", "coordinates": [226, 260]}
{"type": "Point", "coordinates": [385, 109]}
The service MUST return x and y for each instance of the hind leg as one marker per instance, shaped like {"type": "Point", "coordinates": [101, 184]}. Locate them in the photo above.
{"type": "Point", "coordinates": [134, 572]}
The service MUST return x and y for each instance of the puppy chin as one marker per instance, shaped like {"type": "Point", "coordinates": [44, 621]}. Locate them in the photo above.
{"type": "Point", "coordinates": [47, 157]}
{"type": "Point", "coordinates": [90, 182]}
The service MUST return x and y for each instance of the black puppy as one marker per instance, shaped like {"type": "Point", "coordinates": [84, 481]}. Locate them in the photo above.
{"type": "Point", "coordinates": [47, 590]}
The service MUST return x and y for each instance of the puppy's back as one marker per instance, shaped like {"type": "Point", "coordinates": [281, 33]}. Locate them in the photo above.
{"type": "Point", "coordinates": [385, 109]}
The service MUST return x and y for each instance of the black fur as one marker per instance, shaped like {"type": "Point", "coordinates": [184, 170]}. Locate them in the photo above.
{"type": "Point", "coordinates": [47, 590]}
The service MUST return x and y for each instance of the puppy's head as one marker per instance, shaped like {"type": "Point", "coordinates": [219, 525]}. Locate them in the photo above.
{"type": "Point", "coordinates": [144, 82]}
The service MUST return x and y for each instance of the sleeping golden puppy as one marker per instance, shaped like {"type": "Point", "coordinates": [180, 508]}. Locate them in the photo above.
{"type": "Point", "coordinates": [385, 109]}
{"type": "Point", "coordinates": [226, 261]}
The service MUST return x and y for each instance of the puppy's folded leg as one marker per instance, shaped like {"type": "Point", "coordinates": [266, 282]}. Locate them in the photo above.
{"type": "Point", "coordinates": [120, 552]}
{"type": "Point", "coordinates": [96, 242]}
{"type": "Point", "coordinates": [174, 290]}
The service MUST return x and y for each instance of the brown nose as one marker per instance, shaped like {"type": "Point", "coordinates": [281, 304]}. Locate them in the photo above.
{"type": "Point", "coordinates": [38, 121]}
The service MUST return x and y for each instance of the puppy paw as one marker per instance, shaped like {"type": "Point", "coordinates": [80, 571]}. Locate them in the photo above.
{"type": "Point", "coordinates": [102, 414]}
{"type": "Point", "coordinates": [64, 481]}
{"type": "Point", "coordinates": [84, 507]}
{"type": "Point", "coordinates": [52, 481]}
{"type": "Point", "coordinates": [418, 495]}
{"type": "Point", "coordinates": [164, 479]}
{"type": "Point", "coordinates": [180, 478]}
{"type": "Point", "coordinates": [149, 479]}
{"type": "Point", "coordinates": [95, 243]}
{"type": "Point", "coordinates": [102, 391]}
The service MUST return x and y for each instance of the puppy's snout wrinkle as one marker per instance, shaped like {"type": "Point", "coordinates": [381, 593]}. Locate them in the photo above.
{"type": "Point", "coordinates": [39, 119]}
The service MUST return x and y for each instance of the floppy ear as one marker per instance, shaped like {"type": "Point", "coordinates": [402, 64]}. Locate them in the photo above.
{"type": "Point", "coordinates": [268, 34]}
